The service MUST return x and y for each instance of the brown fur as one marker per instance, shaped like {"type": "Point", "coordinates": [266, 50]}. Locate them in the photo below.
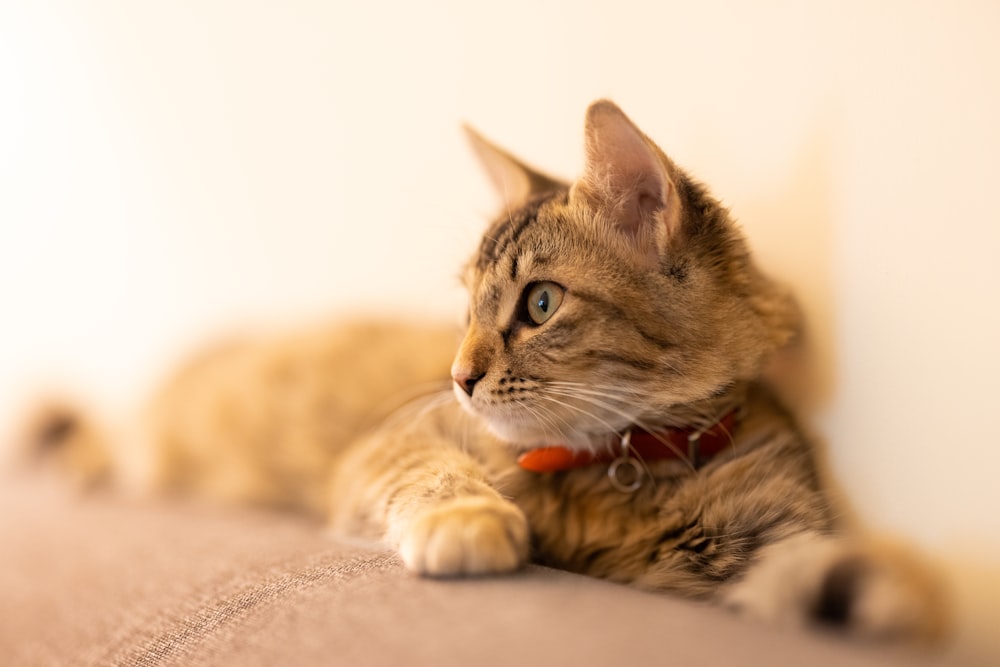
{"type": "Point", "coordinates": [261, 421]}
{"type": "Point", "coordinates": [664, 321]}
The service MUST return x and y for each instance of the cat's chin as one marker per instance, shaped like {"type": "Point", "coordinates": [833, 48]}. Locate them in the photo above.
{"type": "Point", "coordinates": [526, 435]}
{"type": "Point", "coordinates": [518, 432]}
{"type": "Point", "coordinates": [521, 436]}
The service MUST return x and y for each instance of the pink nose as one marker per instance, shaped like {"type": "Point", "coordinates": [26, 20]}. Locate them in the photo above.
{"type": "Point", "coordinates": [467, 380]}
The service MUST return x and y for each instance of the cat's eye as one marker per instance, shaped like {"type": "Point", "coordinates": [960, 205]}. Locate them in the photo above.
{"type": "Point", "coordinates": [542, 300]}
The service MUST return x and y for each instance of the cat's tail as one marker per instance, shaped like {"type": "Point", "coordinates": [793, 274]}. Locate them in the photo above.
{"type": "Point", "coordinates": [62, 436]}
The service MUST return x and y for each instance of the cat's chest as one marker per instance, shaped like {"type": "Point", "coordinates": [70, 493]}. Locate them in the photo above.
{"type": "Point", "coordinates": [581, 522]}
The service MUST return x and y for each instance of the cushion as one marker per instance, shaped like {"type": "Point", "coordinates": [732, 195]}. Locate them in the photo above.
{"type": "Point", "coordinates": [102, 579]}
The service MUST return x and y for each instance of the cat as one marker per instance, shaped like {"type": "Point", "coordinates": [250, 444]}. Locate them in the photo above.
{"type": "Point", "coordinates": [605, 412]}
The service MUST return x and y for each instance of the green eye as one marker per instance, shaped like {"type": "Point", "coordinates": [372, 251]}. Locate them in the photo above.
{"type": "Point", "coordinates": [542, 301]}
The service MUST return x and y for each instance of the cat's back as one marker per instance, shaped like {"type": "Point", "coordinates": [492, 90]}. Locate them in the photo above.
{"type": "Point", "coordinates": [260, 419]}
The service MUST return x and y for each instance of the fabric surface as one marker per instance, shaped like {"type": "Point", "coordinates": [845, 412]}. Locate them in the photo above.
{"type": "Point", "coordinates": [106, 581]}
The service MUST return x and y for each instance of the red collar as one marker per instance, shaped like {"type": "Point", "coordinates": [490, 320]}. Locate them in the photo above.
{"type": "Point", "coordinates": [695, 446]}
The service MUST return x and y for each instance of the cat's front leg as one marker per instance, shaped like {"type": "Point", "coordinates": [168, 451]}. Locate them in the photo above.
{"type": "Point", "coordinates": [868, 590]}
{"type": "Point", "coordinates": [468, 534]}
{"type": "Point", "coordinates": [432, 502]}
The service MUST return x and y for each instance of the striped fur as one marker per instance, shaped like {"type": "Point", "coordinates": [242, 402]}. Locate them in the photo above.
{"type": "Point", "coordinates": [664, 321]}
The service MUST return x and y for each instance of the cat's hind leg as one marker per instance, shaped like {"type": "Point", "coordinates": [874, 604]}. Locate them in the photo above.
{"type": "Point", "coordinates": [868, 590]}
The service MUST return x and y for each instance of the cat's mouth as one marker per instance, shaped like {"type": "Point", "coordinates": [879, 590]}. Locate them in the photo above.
{"type": "Point", "coordinates": [533, 419]}
{"type": "Point", "coordinates": [509, 423]}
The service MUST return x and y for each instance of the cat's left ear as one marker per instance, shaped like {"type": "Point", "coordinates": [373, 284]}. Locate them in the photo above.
{"type": "Point", "coordinates": [627, 178]}
{"type": "Point", "coordinates": [513, 180]}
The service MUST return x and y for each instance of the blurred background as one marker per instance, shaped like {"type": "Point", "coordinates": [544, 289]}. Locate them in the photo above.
{"type": "Point", "coordinates": [172, 172]}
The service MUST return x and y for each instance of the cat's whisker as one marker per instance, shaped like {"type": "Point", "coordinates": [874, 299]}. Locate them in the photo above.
{"type": "Point", "coordinates": [712, 418]}
{"type": "Point", "coordinates": [635, 454]}
{"type": "Point", "coordinates": [706, 416]}
{"type": "Point", "coordinates": [418, 407]}
{"type": "Point", "coordinates": [596, 402]}
{"type": "Point", "coordinates": [464, 430]}
{"type": "Point", "coordinates": [610, 427]}
{"type": "Point", "coordinates": [545, 417]}
{"type": "Point", "coordinates": [681, 455]}
{"type": "Point", "coordinates": [594, 398]}
{"type": "Point", "coordinates": [615, 397]}
{"type": "Point", "coordinates": [619, 394]}
{"type": "Point", "coordinates": [562, 426]}
{"type": "Point", "coordinates": [420, 390]}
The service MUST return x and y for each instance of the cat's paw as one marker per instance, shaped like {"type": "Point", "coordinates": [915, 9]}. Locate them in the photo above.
{"type": "Point", "coordinates": [466, 536]}
{"type": "Point", "coordinates": [883, 592]}
{"type": "Point", "coordinates": [869, 592]}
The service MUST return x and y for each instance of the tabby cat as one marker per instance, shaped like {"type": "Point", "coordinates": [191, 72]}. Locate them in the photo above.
{"type": "Point", "coordinates": [606, 412]}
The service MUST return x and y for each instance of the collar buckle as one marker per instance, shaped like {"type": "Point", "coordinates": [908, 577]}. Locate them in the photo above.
{"type": "Point", "coordinates": [694, 449]}
{"type": "Point", "coordinates": [626, 473]}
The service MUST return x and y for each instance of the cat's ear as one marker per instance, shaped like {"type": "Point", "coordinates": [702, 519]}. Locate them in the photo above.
{"type": "Point", "coordinates": [513, 180]}
{"type": "Point", "coordinates": [627, 178]}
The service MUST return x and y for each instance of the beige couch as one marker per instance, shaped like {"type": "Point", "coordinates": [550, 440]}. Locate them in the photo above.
{"type": "Point", "coordinates": [107, 581]}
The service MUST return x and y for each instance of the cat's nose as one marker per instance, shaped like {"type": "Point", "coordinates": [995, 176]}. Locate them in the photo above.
{"type": "Point", "coordinates": [467, 380]}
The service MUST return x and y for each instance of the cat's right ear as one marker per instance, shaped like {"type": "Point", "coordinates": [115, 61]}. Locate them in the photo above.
{"type": "Point", "coordinates": [627, 177]}
{"type": "Point", "coordinates": [513, 180]}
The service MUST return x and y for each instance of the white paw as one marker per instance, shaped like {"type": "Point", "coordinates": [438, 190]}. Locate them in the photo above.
{"type": "Point", "coordinates": [865, 591]}
{"type": "Point", "coordinates": [471, 535]}
{"type": "Point", "coordinates": [899, 597]}
{"type": "Point", "coordinates": [780, 586]}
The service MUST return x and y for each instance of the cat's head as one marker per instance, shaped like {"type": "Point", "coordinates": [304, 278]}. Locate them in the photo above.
{"type": "Point", "coordinates": [610, 301]}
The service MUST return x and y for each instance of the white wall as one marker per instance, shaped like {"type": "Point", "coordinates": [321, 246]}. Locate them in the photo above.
{"type": "Point", "coordinates": [168, 171]}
